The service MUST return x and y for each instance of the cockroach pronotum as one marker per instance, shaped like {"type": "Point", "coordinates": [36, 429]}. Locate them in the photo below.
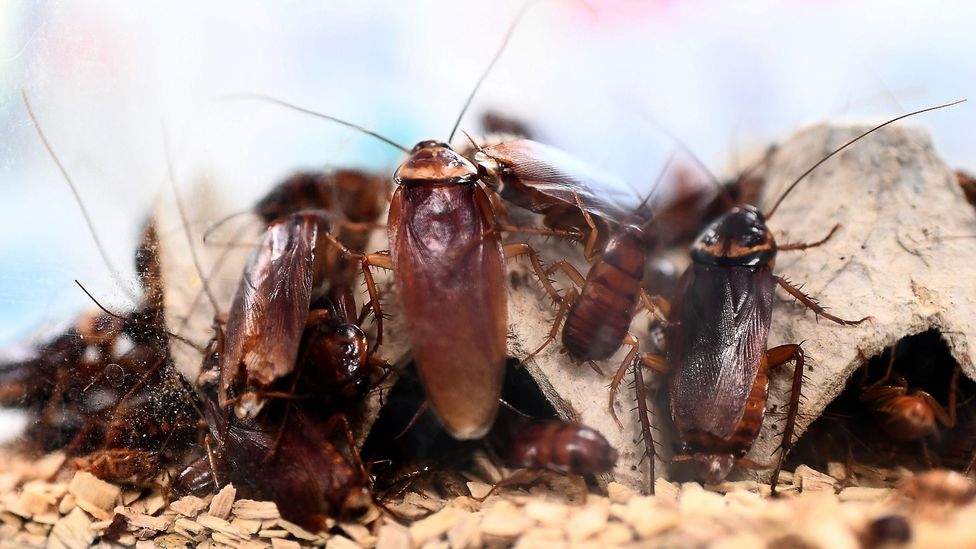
{"type": "Point", "coordinates": [903, 413]}
{"type": "Point", "coordinates": [716, 338]}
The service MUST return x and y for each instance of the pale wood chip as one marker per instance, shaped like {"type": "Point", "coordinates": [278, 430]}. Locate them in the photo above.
{"type": "Point", "coordinates": [222, 503]}
{"type": "Point", "coordinates": [547, 538]}
{"type": "Point", "coordinates": [190, 526]}
{"type": "Point", "coordinates": [73, 531]}
{"type": "Point", "coordinates": [505, 520]}
{"type": "Point", "coordinates": [37, 497]}
{"type": "Point", "coordinates": [172, 541]}
{"type": "Point", "coordinates": [665, 490]}
{"type": "Point", "coordinates": [297, 530]}
{"type": "Point", "coordinates": [94, 495]}
{"type": "Point", "coordinates": [272, 533]}
{"type": "Point", "coordinates": [407, 511]}
{"type": "Point", "coordinates": [647, 519]}
{"type": "Point", "coordinates": [145, 544]}
{"type": "Point", "coordinates": [465, 533]}
{"type": "Point", "coordinates": [434, 526]}
{"type": "Point", "coordinates": [154, 503]}
{"type": "Point", "coordinates": [860, 493]}
{"type": "Point", "coordinates": [837, 470]}
{"type": "Point", "coordinates": [393, 536]}
{"type": "Point", "coordinates": [431, 504]}
{"type": "Point", "coordinates": [100, 525]}
{"type": "Point", "coordinates": [218, 524]}
{"type": "Point", "coordinates": [26, 539]}
{"type": "Point", "coordinates": [47, 518]}
{"type": "Point", "coordinates": [37, 528]}
{"type": "Point", "coordinates": [734, 486]}
{"type": "Point", "coordinates": [11, 519]}
{"type": "Point", "coordinates": [225, 539]}
{"type": "Point", "coordinates": [130, 496]}
{"type": "Point", "coordinates": [9, 481]}
{"type": "Point", "coordinates": [246, 525]}
{"type": "Point", "coordinates": [67, 504]}
{"type": "Point", "coordinates": [255, 510]}
{"type": "Point", "coordinates": [188, 506]}
{"type": "Point", "coordinates": [478, 490]}
{"type": "Point", "coordinates": [615, 534]}
{"type": "Point", "coordinates": [357, 532]}
{"type": "Point", "coordinates": [466, 503]}
{"type": "Point", "coordinates": [277, 543]}
{"type": "Point", "coordinates": [587, 522]}
{"type": "Point", "coordinates": [548, 513]}
{"type": "Point", "coordinates": [254, 544]}
{"type": "Point", "coordinates": [46, 467]}
{"type": "Point", "coordinates": [340, 542]}
{"type": "Point", "coordinates": [619, 493]}
{"type": "Point", "coordinates": [811, 480]}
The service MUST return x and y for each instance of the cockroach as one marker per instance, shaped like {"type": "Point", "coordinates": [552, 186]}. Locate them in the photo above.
{"type": "Point", "coordinates": [716, 338]}
{"type": "Point", "coordinates": [968, 185]}
{"type": "Point", "coordinates": [903, 413]}
{"type": "Point", "coordinates": [121, 465]}
{"type": "Point", "coordinates": [559, 446]}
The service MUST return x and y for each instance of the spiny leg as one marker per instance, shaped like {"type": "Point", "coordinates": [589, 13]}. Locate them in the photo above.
{"type": "Point", "coordinates": [614, 386]}
{"type": "Point", "coordinates": [340, 419]}
{"type": "Point", "coordinates": [565, 303]}
{"type": "Point", "coordinates": [522, 476]}
{"type": "Point", "coordinates": [383, 262]}
{"type": "Point", "coordinates": [808, 245]}
{"type": "Point", "coordinates": [515, 250]}
{"type": "Point", "coordinates": [656, 305]}
{"type": "Point", "coordinates": [777, 356]}
{"type": "Point", "coordinates": [643, 416]}
{"type": "Point", "coordinates": [812, 305]}
{"type": "Point", "coordinates": [589, 250]}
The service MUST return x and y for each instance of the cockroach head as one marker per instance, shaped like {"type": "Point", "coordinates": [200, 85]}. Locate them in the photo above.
{"type": "Point", "coordinates": [740, 238]}
{"type": "Point", "coordinates": [713, 468]}
{"type": "Point", "coordinates": [435, 162]}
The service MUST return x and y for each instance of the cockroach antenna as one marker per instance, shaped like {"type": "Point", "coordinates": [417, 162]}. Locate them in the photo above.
{"type": "Point", "coordinates": [74, 190]}
{"type": "Point", "coordinates": [186, 227]}
{"type": "Point", "coordinates": [849, 143]}
{"type": "Point", "coordinates": [294, 107]}
{"type": "Point", "coordinates": [498, 53]}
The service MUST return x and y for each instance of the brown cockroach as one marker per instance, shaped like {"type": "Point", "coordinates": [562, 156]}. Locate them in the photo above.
{"type": "Point", "coordinates": [717, 359]}
{"type": "Point", "coordinates": [121, 465]}
{"type": "Point", "coordinates": [559, 446]}
{"type": "Point", "coordinates": [968, 185]}
{"type": "Point", "coordinates": [903, 413]}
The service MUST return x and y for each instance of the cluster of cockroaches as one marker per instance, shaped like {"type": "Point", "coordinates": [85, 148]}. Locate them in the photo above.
{"type": "Point", "coordinates": [291, 360]}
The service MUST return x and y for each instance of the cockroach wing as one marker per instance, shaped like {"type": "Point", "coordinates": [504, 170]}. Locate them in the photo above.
{"type": "Point", "coordinates": [267, 318]}
{"type": "Point", "coordinates": [551, 177]}
{"type": "Point", "coordinates": [449, 269]}
{"type": "Point", "coordinates": [717, 344]}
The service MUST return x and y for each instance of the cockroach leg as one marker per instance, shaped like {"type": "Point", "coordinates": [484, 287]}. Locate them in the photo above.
{"type": "Point", "coordinates": [340, 420]}
{"type": "Point", "coordinates": [812, 304]}
{"type": "Point", "coordinates": [501, 212]}
{"type": "Point", "coordinates": [589, 250]}
{"type": "Point", "coordinates": [808, 245]}
{"type": "Point", "coordinates": [522, 476]}
{"type": "Point", "coordinates": [574, 275]}
{"type": "Point", "coordinates": [657, 306]}
{"type": "Point", "coordinates": [629, 360]}
{"type": "Point", "coordinates": [210, 460]}
{"type": "Point", "coordinates": [643, 416]}
{"type": "Point", "coordinates": [946, 418]}
{"type": "Point", "coordinates": [382, 261]}
{"type": "Point", "coordinates": [517, 249]}
{"type": "Point", "coordinates": [564, 305]}
{"type": "Point", "coordinates": [777, 356]}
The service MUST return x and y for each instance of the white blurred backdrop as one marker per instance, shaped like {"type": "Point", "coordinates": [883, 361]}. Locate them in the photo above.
{"type": "Point", "coordinates": [104, 76]}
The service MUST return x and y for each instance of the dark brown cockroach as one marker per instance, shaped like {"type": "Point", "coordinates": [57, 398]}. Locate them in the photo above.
{"type": "Point", "coordinates": [716, 339]}
{"type": "Point", "coordinates": [903, 413]}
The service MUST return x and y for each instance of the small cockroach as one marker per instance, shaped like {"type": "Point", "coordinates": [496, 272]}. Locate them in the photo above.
{"type": "Point", "coordinates": [559, 446]}
{"type": "Point", "coordinates": [903, 413]}
{"type": "Point", "coordinates": [716, 338]}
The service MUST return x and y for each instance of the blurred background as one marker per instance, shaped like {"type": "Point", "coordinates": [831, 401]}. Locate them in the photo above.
{"type": "Point", "coordinates": [105, 77]}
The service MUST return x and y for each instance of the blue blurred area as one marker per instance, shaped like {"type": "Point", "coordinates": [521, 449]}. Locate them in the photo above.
{"type": "Point", "coordinates": [723, 76]}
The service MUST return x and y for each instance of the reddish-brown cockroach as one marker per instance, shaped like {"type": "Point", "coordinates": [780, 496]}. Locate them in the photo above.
{"type": "Point", "coordinates": [903, 413]}
{"type": "Point", "coordinates": [968, 185]}
{"type": "Point", "coordinates": [716, 338]}
{"type": "Point", "coordinates": [559, 446]}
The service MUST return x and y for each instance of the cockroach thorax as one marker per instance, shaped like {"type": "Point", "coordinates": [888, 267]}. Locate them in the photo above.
{"type": "Point", "coordinates": [713, 468]}
{"type": "Point", "coordinates": [739, 237]}
{"type": "Point", "coordinates": [435, 162]}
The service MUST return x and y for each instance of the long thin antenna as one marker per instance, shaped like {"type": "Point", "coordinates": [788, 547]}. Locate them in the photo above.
{"type": "Point", "coordinates": [74, 190]}
{"type": "Point", "coordinates": [186, 226]}
{"type": "Point", "coordinates": [849, 143]}
{"type": "Point", "coordinates": [294, 107]}
{"type": "Point", "coordinates": [498, 53]}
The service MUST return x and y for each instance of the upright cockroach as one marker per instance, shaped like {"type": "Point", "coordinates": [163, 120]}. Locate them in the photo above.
{"type": "Point", "coordinates": [716, 338]}
{"type": "Point", "coordinates": [903, 413]}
